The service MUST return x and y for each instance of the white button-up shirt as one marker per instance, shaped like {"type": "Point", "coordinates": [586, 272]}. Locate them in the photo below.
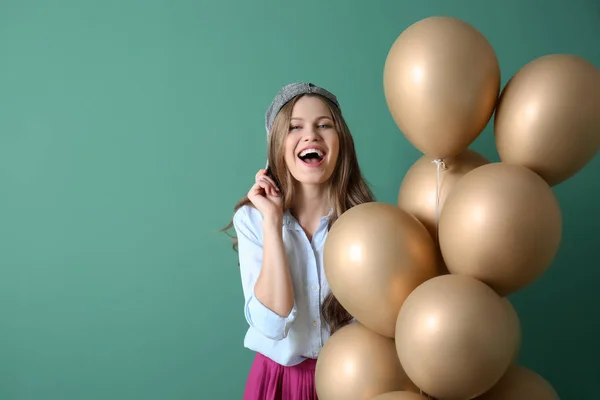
{"type": "Point", "coordinates": [301, 334]}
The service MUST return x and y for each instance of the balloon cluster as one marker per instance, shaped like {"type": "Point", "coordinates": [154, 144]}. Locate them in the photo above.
{"type": "Point", "coordinates": [427, 280]}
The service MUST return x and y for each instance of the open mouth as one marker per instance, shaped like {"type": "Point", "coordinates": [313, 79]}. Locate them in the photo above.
{"type": "Point", "coordinates": [312, 156]}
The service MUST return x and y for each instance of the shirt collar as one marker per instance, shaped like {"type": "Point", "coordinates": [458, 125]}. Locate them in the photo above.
{"type": "Point", "coordinates": [291, 223]}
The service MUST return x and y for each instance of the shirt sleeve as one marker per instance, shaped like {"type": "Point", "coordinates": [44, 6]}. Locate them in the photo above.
{"type": "Point", "coordinates": [250, 250]}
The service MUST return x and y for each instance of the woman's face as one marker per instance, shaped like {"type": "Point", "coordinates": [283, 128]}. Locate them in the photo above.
{"type": "Point", "coordinates": [312, 144]}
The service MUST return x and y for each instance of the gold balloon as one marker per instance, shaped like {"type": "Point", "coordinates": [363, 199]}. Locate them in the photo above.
{"type": "Point", "coordinates": [520, 383]}
{"type": "Point", "coordinates": [441, 81]}
{"type": "Point", "coordinates": [502, 225]}
{"type": "Point", "coordinates": [454, 337]}
{"type": "Point", "coordinates": [418, 191]}
{"type": "Point", "coordinates": [548, 116]}
{"type": "Point", "coordinates": [417, 194]}
{"type": "Point", "coordinates": [399, 396]}
{"type": "Point", "coordinates": [374, 256]}
{"type": "Point", "coordinates": [357, 363]}
{"type": "Point", "coordinates": [516, 326]}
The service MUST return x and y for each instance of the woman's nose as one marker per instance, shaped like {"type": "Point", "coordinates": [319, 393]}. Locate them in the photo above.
{"type": "Point", "coordinates": [310, 134]}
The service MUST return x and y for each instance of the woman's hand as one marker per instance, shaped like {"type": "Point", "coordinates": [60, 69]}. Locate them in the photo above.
{"type": "Point", "coordinates": [265, 196]}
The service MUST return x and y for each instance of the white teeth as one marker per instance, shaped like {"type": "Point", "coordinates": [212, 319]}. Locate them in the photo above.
{"type": "Point", "coordinates": [308, 151]}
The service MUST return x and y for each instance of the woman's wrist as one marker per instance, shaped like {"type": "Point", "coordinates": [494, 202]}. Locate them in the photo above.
{"type": "Point", "coordinates": [273, 222]}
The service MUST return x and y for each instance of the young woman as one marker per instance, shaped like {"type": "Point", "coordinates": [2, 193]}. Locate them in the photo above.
{"type": "Point", "coordinates": [312, 177]}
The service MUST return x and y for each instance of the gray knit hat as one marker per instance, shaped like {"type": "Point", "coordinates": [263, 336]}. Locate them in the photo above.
{"type": "Point", "coordinates": [286, 94]}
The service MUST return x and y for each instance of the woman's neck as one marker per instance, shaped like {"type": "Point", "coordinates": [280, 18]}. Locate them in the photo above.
{"type": "Point", "coordinates": [311, 203]}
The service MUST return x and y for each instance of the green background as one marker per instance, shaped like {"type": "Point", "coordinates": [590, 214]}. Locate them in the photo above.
{"type": "Point", "coordinates": [129, 129]}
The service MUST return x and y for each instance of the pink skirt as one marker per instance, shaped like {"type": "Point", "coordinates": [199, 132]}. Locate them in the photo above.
{"type": "Point", "coordinates": [268, 380]}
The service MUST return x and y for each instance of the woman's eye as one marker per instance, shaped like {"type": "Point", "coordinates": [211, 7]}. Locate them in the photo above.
{"type": "Point", "coordinates": [325, 126]}
{"type": "Point", "coordinates": [294, 127]}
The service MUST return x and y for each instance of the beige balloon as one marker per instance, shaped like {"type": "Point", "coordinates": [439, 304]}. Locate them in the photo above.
{"type": "Point", "coordinates": [441, 82]}
{"type": "Point", "coordinates": [358, 364]}
{"type": "Point", "coordinates": [401, 395]}
{"type": "Point", "coordinates": [501, 224]}
{"type": "Point", "coordinates": [520, 383]}
{"type": "Point", "coordinates": [374, 256]}
{"type": "Point", "coordinates": [455, 338]}
{"type": "Point", "coordinates": [516, 326]}
{"type": "Point", "coordinates": [418, 192]}
{"type": "Point", "coordinates": [548, 116]}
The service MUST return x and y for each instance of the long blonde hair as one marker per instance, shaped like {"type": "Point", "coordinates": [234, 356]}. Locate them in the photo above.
{"type": "Point", "coordinates": [348, 188]}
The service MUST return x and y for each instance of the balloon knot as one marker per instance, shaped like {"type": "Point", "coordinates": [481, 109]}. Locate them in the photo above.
{"type": "Point", "coordinates": [440, 163]}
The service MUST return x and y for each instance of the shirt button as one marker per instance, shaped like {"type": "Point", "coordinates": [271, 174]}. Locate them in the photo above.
{"type": "Point", "coordinates": [314, 287]}
{"type": "Point", "coordinates": [315, 323]}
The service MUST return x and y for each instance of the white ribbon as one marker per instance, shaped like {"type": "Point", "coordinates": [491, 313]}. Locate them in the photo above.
{"type": "Point", "coordinates": [441, 165]}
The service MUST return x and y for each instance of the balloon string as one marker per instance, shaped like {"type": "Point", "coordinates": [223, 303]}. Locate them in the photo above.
{"type": "Point", "coordinates": [440, 165]}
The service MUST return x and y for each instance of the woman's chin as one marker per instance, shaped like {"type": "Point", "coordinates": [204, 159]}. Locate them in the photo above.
{"type": "Point", "coordinates": [313, 178]}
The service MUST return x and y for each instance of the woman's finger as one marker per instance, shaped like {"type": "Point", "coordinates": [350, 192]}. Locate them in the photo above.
{"type": "Point", "coordinates": [266, 186]}
{"type": "Point", "coordinates": [271, 181]}
{"type": "Point", "coordinates": [256, 188]}
{"type": "Point", "coordinates": [260, 173]}
{"type": "Point", "coordinates": [269, 189]}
